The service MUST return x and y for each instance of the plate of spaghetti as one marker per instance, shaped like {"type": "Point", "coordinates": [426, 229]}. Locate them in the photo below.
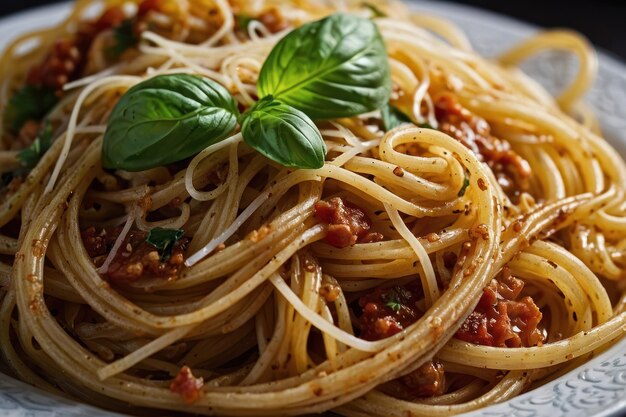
{"type": "Point", "coordinates": [300, 207]}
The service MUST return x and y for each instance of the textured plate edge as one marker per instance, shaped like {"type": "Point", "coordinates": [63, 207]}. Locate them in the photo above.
{"type": "Point", "coordinates": [49, 14]}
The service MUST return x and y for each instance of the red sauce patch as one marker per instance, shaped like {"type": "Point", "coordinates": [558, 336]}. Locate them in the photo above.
{"type": "Point", "coordinates": [135, 258]}
{"type": "Point", "coordinates": [187, 386]}
{"type": "Point", "coordinates": [67, 58]}
{"type": "Point", "coordinates": [388, 311]}
{"type": "Point", "coordinates": [511, 170]}
{"type": "Point", "coordinates": [347, 223]}
{"type": "Point", "coordinates": [500, 319]}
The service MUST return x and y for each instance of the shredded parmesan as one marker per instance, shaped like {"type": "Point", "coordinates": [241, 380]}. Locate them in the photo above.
{"type": "Point", "coordinates": [321, 323]}
{"type": "Point", "coordinates": [118, 242]}
{"type": "Point", "coordinates": [223, 237]}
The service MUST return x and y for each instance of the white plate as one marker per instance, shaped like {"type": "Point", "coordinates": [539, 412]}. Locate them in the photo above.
{"type": "Point", "coordinates": [596, 389]}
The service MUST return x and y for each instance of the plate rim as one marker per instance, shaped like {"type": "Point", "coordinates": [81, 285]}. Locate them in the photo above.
{"type": "Point", "coordinates": [608, 62]}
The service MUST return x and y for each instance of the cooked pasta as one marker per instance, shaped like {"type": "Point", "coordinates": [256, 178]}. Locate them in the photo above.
{"type": "Point", "coordinates": [406, 229]}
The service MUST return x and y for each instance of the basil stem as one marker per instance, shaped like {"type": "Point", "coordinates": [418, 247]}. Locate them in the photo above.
{"type": "Point", "coordinates": [336, 67]}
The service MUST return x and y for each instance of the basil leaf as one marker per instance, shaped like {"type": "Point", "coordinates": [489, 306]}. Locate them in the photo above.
{"type": "Point", "coordinates": [393, 117]}
{"type": "Point", "coordinates": [124, 38]}
{"type": "Point", "coordinates": [29, 103]}
{"type": "Point", "coordinates": [30, 156]}
{"type": "Point", "coordinates": [283, 134]}
{"type": "Point", "coordinates": [167, 119]}
{"type": "Point", "coordinates": [164, 240]}
{"type": "Point", "coordinates": [332, 68]}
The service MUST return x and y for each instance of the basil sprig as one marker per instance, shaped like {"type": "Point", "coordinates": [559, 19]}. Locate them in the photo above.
{"type": "Point", "coordinates": [167, 119]}
{"type": "Point", "coordinates": [336, 67]}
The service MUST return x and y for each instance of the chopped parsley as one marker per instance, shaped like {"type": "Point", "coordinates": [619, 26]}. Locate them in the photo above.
{"type": "Point", "coordinates": [124, 37]}
{"type": "Point", "coordinates": [394, 304]}
{"type": "Point", "coordinates": [466, 183]}
{"type": "Point", "coordinates": [396, 298]}
{"type": "Point", "coordinates": [28, 103]}
{"type": "Point", "coordinates": [30, 156]}
{"type": "Point", "coordinates": [242, 21]}
{"type": "Point", "coordinates": [164, 240]}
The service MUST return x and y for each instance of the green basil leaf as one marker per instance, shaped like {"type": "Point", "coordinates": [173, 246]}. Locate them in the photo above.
{"type": "Point", "coordinates": [164, 240]}
{"type": "Point", "coordinates": [283, 134]}
{"type": "Point", "coordinates": [124, 38]}
{"type": "Point", "coordinates": [332, 68]}
{"type": "Point", "coordinates": [29, 103]}
{"type": "Point", "coordinates": [166, 119]}
{"type": "Point", "coordinates": [393, 117]}
{"type": "Point", "coordinates": [30, 156]}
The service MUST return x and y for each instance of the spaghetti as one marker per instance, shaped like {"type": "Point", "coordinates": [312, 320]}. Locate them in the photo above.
{"type": "Point", "coordinates": [470, 251]}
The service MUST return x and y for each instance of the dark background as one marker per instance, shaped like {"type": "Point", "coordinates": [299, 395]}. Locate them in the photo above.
{"type": "Point", "coordinates": [604, 22]}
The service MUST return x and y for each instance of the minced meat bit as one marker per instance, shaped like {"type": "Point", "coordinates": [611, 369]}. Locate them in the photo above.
{"type": "Point", "coordinates": [388, 311]}
{"type": "Point", "coordinates": [135, 258]}
{"type": "Point", "coordinates": [426, 381]}
{"type": "Point", "coordinates": [187, 386]}
{"type": "Point", "coordinates": [511, 170]}
{"type": "Point", "coordinates": [347, 223]}
{"type": "Point", "coordinates": [500, 320]}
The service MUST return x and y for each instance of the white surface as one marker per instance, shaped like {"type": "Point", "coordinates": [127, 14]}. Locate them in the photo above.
{"type": "Point", "coordinates": [596, 389]}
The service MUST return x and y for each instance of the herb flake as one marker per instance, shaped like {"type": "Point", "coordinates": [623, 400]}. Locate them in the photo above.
{"type": "Point", "coordinates": [124, 38]}
{"type": "Point", "coordinates": [30, 156]}
{"type": "Point", "coordinates": [466, 183]}
{"type": "Point", "coordinates": [29, 103]}
{"type": "Point", "coordinates": [243, 21]}
{"type": "Point", "coordinates": [164, 240]}
{"type": "Point", "coordinates": [396, 298]}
